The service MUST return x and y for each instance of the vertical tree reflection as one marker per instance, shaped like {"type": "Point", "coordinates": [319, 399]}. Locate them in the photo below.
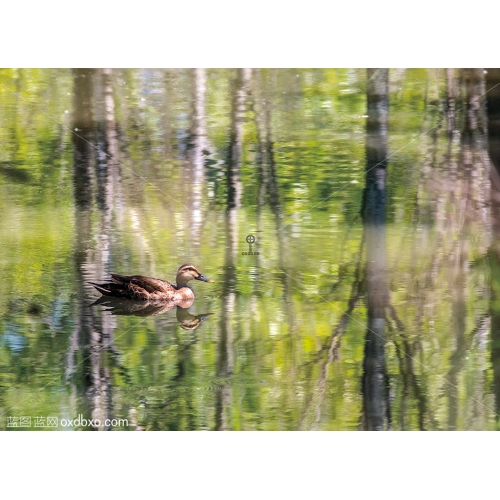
{"type": "Point", "coordinates": [225, 360]}
{"type": "Point", "coordinates": [198, 145]}
{"type": "Point", "coordinates": [268, 181]}
{"type": "Point", "coordinates": [460, 190]}
{"type": "Point", "coordinates": [94, 125]}
{"type": "Point", "coordinates": [493, 107]}
{"type": "Point", "coordinates": [376, 409]}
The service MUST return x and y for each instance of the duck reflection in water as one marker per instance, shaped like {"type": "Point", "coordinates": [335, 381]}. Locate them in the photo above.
{"type": "Point", "coordinates": [129, 307]}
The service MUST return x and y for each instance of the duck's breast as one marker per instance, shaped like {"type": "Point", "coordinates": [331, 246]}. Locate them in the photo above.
{"type": "Point", "coordinates": [185, 293]}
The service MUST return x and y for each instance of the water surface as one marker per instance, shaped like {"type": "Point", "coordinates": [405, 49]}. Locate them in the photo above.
{"type": "Point", "coordinates": [371, 300]}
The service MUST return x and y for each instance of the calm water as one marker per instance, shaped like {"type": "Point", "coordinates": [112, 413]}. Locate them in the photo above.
{"type": "Point", "coordinates": [371, 300]}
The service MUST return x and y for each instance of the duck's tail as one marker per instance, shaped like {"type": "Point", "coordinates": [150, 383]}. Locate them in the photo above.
{"type": "Point", "coordinates": [111, 289]}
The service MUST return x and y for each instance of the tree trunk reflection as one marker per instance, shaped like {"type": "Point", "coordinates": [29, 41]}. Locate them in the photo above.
{"type": "Point", "coordinates": [98, 187]}
{"type": "Point", "coordinates": [376, 409]}
{"type": "Point", "coordinates": [197, 149]}
{"type": "Point", "coordinates": [225, 361]}
{"type": "Point", "coordinates": [493, 107]}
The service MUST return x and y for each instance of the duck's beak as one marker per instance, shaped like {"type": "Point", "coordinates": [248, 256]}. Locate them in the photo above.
{"type": "Point", "coordinates": [204, 278]}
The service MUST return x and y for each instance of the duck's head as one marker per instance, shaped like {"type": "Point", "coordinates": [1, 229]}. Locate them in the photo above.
{"type": "Point", "coordinates": [188, 272]}
{"type": "Point", "coordinates": [188, 321]}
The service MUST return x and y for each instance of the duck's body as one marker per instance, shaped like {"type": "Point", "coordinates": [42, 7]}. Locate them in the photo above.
{"type": "Point", "coordinates": [153, 289]}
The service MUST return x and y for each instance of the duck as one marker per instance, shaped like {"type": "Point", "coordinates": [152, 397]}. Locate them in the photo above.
{"type": "Point", "coordinates": [150, 289]}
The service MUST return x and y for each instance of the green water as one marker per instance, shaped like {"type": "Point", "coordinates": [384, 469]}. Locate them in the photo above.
{"type": "Point", "coordinates": [140, 171]}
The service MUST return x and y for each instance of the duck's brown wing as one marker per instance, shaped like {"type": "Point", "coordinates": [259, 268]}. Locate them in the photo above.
{"type": "Point", "coordinates": [151, 285]}
{"type": "Point", "coordinates": [123, 290]}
